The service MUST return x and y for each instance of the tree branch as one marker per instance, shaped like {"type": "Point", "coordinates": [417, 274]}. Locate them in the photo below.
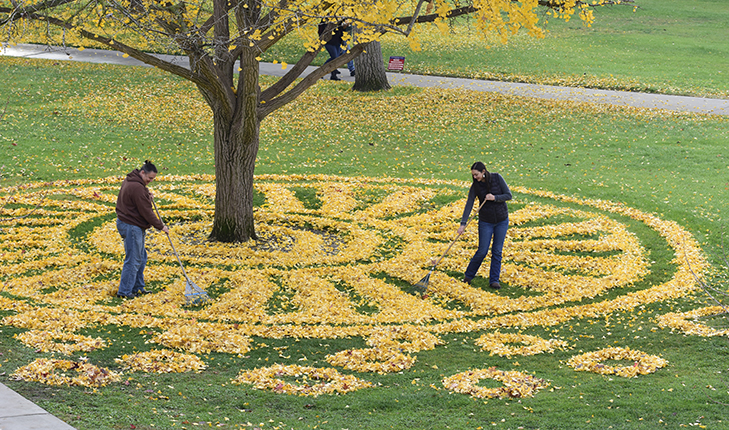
{"type": "Point", "coordinates": [40, 6]}
{"type": "Point", "coordinates": [465, 10]}
{"type": "Point", "coordinates": [433, 16]}
{"type": "Point", "coordinates": [299, 67]}
{"type": "Point", "coordinates": [266, 108]}
{"type": "Point", "coordinates": [289, 77]}
{"type": "Point", "coordinates": [132, 52]}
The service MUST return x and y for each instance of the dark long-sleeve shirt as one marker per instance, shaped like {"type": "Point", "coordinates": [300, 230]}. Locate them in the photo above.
{"type": "Point", "coordinates": [492, 211]}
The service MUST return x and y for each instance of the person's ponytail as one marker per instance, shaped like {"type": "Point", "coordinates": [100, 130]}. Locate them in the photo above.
{"type": "Point", "coordinates": [148, 167]}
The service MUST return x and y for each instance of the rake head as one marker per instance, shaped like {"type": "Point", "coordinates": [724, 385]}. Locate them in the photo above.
{"type": "Point", "coordinates": [423, 283]}
{"type": "Point", "coordinates": [195, 295]}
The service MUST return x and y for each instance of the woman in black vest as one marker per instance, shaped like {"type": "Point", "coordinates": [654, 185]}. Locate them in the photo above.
{"type": "Point", "coordinates": [493, 220]}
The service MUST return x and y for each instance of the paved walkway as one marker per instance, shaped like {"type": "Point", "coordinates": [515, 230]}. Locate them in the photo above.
{"type": "Point", "coordinates": [641, 100]}
{"type": "Point", "coordinates": [18, 413]}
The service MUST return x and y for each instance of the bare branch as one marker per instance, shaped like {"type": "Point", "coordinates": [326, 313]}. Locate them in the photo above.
{"type": "Point", "coordinates": [144, 57]}
{"type": "Point", "coordinates": [270, 106]}
{"type": "Point", "coordinates": [39, 7]}
{"type": "Point", "coordinates": [289, 77]}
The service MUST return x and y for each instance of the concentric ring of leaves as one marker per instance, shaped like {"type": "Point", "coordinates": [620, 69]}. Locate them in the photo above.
{"type": "Point", "coordinates": [45, 371]}
{"type": "Point", "coordinates": [680, 321]}
{"type": "Point", "coordinates": [312, 381]}
{"type": "Point", "coordinates": [643, 363]}
{"type": "Point", "coordinates": [335, 263]}
{"type": "Point", "coordinates": [516, 384]}
{"type": "Point", "coordinates": [497, 343]}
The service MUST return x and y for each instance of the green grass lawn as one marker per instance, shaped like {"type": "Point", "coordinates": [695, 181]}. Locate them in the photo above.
{"type": "Point", "coordinates": [71, 121]}
{"type": "Point", "coordinates": [664, 46]}
{"type": "Point", "coordinates": [655, 46]}
{"type": "Point", "coordinates": [63, 121]}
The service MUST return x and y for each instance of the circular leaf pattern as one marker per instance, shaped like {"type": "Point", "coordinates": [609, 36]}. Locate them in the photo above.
{"type": "Point", "coordinates": [336, 257]}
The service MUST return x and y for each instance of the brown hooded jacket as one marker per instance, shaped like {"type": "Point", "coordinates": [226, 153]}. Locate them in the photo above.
{"type": "Point", "coordinates": [134, 204]}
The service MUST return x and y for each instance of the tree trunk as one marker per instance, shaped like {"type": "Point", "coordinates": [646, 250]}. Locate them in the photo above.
{"type": "Point", "coordinates": [235, 157]}
{"type": "Point", "coordinates": [236, 139]}
{"type": "Point", "coordinates": [370, 70]}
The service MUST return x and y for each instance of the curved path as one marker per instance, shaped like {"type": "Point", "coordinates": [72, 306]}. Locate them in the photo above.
{"type": "Point", "coordinates": [622, 98]}
{"type": "Point", "coordinates": [18, 413]}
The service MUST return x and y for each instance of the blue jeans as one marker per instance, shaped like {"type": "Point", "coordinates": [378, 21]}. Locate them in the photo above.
{"type": "Point", "coordinates": [334, 52]}
{"type": "Point", "coordinates": [132, 275]}
{"type": "Point", "coordinates": [486, 231]}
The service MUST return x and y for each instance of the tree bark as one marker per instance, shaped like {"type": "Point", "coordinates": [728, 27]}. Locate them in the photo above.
{"type": "Point", "coordinates": [370, 70]}
{"type": "Point", "coordinates": [236, 140]}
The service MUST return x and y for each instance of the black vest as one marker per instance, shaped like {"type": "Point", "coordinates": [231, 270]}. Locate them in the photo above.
{"type": "Point", "coordinates": [492, 211]}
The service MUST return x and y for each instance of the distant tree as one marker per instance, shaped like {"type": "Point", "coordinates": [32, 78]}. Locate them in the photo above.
{"type": "Point", "coordinates": [217, 35]}
{"type": "Point", "coordinates": [370, 70]}
{"type": "Point", "coordinates": [371, 73]}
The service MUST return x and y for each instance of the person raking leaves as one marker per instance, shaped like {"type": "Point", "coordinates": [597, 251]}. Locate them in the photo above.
{"type": "Point", "coordinates": [134, 217]}
{"type": "Point", "coordinates": [493, 221]}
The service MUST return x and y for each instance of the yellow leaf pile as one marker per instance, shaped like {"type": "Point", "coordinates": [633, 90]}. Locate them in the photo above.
{"type": "Point", "coordinates": [496, 343]}
{"type": "Point", "coordinates": [516, 384]}
{"type": "Point", "coordinates": [310, 381]}
{"type": "Point", "coordinates": [380, 360]}
{"type": "Point", "coordinates": [643, 363]}
{"type": "Point", "coordinates": [680, 321]}
{"type": "Point", "coordinates": [204, 337]}
{"type": "Point", "coordinates": [46, 371]}
{"type": "Point", "coordinates": [46, 341]}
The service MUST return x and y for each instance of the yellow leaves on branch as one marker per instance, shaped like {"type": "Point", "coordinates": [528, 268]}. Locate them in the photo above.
{"type": "Point", "coordinates": [138, 23]}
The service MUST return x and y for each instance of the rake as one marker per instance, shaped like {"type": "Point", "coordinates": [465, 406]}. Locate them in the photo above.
{"type": "Point", "coordinates": [423, 283]}
{"type": "Point", "coordinates": [194, 295]}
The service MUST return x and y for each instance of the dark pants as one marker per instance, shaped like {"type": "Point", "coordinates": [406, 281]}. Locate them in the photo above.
{"type": "Point", "coordinates": [334, 52]}
{"type": "Point", "coordinates": [487, 231]}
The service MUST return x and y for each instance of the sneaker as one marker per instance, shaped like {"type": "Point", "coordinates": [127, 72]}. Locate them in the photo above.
{"type": "Point", "coordinates": [122, 296]}
{"type": "Point", "coordinates": [335, 78]}
{"type": "Point", "coordinates": [466, 281]}
{"type": "Point", "coordinates": [351, 73]}
{"type": "Point", "coordinates": [143, 292]}
{"type": "Point", "coordinates": [495, 285]}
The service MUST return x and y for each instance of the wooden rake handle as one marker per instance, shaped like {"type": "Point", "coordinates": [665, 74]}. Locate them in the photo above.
{"type": "Point", "coordinates": [170, 239]}
{"type": "Point", "coordinates": [468, 221]}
